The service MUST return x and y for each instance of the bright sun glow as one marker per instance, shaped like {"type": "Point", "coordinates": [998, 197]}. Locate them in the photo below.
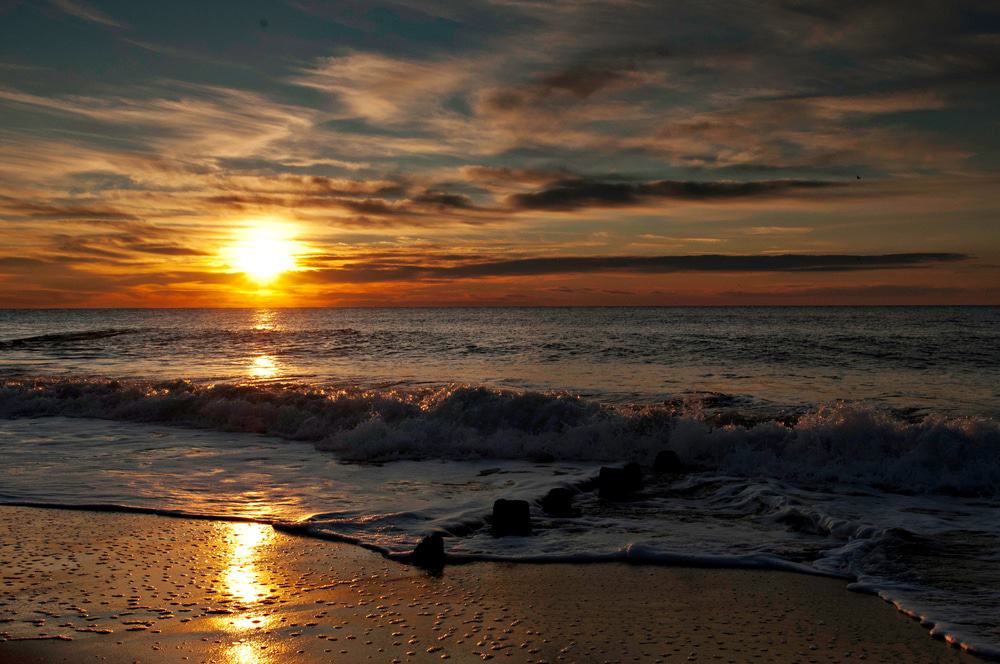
{"type": "Point", "coordinates": [264, 252]}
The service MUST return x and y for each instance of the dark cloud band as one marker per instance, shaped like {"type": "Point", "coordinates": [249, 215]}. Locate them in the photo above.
{"type": "Point", "coordinates": [395, 271]}
{"type": "Point", "coordinates": [575, 194]}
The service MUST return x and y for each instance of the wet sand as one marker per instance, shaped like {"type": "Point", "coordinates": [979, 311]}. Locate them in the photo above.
{"type": "Point", "coordinates": [85, 586]}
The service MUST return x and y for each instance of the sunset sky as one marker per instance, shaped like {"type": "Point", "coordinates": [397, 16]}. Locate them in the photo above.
{"type": "Point", "coordinates": [476, 152]}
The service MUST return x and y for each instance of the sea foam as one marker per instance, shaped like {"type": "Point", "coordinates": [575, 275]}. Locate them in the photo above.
{"type": "Point", "coordinates": [836, 443]}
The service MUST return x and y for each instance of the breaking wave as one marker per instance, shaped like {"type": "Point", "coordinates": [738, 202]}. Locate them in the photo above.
{"type": "Point", "coordinates": [835, 443]}
{"type": "Point", "coordinates": [50, 340]}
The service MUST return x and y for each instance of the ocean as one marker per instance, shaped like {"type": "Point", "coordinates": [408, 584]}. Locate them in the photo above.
{"type": "Point", "coordinates": [856, 442]}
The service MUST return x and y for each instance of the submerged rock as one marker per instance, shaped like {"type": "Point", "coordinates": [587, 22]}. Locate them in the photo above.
{"type": "Point", "coordinates": [429, 553]}
{"type": "Point", "coordinates": [619, 482]}
{"type": "Point", "coordinates": [667, 461]}
{"type": "Point", "coordinates": [559, 502]}
{"type": "Point", "coordinates": [511, 517]}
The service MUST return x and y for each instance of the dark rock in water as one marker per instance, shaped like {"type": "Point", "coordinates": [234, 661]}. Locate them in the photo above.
{"type": "Point", "coordinates": [559, 502]}
{"type": "Point", "coordinates": [619, 482]}
{"type": "Point", "coordinates": [667, 461]}
{"type": "Point", "coordinates": [429, 554]}
{"type": "Point", "coordinates": [511, 517]}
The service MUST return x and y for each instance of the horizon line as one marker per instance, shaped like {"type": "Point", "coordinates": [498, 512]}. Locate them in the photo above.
{"type": "Point", "coordinates": [523, 306]}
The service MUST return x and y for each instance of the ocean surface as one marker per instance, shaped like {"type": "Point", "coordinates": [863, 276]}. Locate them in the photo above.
{"type": "Point", "coordinates": [861, 443]}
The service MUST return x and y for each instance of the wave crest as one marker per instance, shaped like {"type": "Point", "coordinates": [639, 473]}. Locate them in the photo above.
{"type": "Point", "coordinates": [839, 442]}
{"type": "Point", "coordinates": [49, 340]}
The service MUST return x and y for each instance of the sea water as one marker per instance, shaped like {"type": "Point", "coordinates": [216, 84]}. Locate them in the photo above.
{"type": "Point", "coordinates": [854, 442]}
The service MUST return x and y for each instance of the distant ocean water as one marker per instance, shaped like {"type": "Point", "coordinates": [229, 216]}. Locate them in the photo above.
{"type": "Point", "coordinates": [859, 442]}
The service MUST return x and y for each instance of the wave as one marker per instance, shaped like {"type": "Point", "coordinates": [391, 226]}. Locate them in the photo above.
{"type": "Point", "coordinates": [835, 443]}
{"type": "Point", "coordinates": [50, 340]}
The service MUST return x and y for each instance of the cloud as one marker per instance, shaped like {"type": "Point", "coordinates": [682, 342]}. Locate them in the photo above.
{"type": "Point", "coordinates": [385, 89]}
{"type": "Point", "coordinates": [804, 131]}
{"type": "Point", "coordinates": [44, 210]}
{"type": "Point", "coordinates": [399, 271]}
{"type": "Point", "coordinates": [881, 103]}
{"type": "Point", "coordinates": [779, 230]}
{"type": "Point", "coordinates": [493, 175]}
{"type": "Point", "coordinates": [186, 122]}
{"type": "Point", "coordinates": [566, 86]}
{"type": "Point", "coordinates": [18, 262]}
{"type": "Point", "coordinates": [81, 9]}
{"type": "Point", "coordinates": [580, 193]}
{"type": "Point", "coordinates": [417, 208]}
{"type": "Point", "coordinates": [437, 205]}
{"type": "Point", "coordinates": [165, 249]}
{"type": "Point", "coordinates": [441, 200]}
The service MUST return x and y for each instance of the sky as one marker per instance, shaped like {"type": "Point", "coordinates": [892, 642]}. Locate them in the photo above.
{"type": "Point", "coordinates": [499, 152]}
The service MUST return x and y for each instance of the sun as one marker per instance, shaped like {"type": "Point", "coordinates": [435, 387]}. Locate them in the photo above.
{"type": "Point", "coordinates": [264, 252]}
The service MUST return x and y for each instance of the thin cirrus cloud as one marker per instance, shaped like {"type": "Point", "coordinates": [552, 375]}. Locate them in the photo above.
{"type": "Point", "coordinates": [83, 10]}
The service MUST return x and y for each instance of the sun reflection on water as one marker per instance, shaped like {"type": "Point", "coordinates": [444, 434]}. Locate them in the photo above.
{"type": "Point", "coordinates": [265, 320]}
{"type": "Point", "coordinates": [263, 367]}
{"type": "Point", "coordinates": [263, 364]}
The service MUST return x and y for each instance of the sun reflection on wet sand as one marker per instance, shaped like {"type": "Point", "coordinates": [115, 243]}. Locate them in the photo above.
{"type": "Point", "coordinates": [244, 583]}
{"type": "Point", "coordinates": [245, 653]}
{"type": "Point", "coordinates": [241, 577]}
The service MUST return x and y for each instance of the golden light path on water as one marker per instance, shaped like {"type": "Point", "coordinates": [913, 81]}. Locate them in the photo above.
{"type": "Point", "coordinates": [265, 320]}
{"type": "Point", "coordinates": [263, 367]}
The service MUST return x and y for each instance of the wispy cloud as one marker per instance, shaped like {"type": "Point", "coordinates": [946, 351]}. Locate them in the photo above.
{"type": "Point", "coordinates": [779, 230]}
{"type": "Point", "coordinates": [83, 10]}
{"type": "Point", "coordinates": [384, 89]}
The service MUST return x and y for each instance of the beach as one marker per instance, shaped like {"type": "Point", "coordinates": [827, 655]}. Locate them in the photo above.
{"type": "Point", "coordinates": [117, 587]}
{"type": "Point", "coordinates": [584, 331]}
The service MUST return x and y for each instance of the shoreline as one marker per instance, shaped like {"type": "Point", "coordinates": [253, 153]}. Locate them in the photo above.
{"type": "Point", "coordinates": [241, 591]}
{"type": "Point", "coordinates": [301, 529]}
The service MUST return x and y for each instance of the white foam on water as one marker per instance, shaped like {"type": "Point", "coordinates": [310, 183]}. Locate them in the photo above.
{"type": "Point", "coordinates": [840, 442]}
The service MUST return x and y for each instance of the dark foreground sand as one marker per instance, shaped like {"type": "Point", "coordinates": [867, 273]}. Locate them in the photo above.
{"type": "Point", "coordinates": [84, 586]}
